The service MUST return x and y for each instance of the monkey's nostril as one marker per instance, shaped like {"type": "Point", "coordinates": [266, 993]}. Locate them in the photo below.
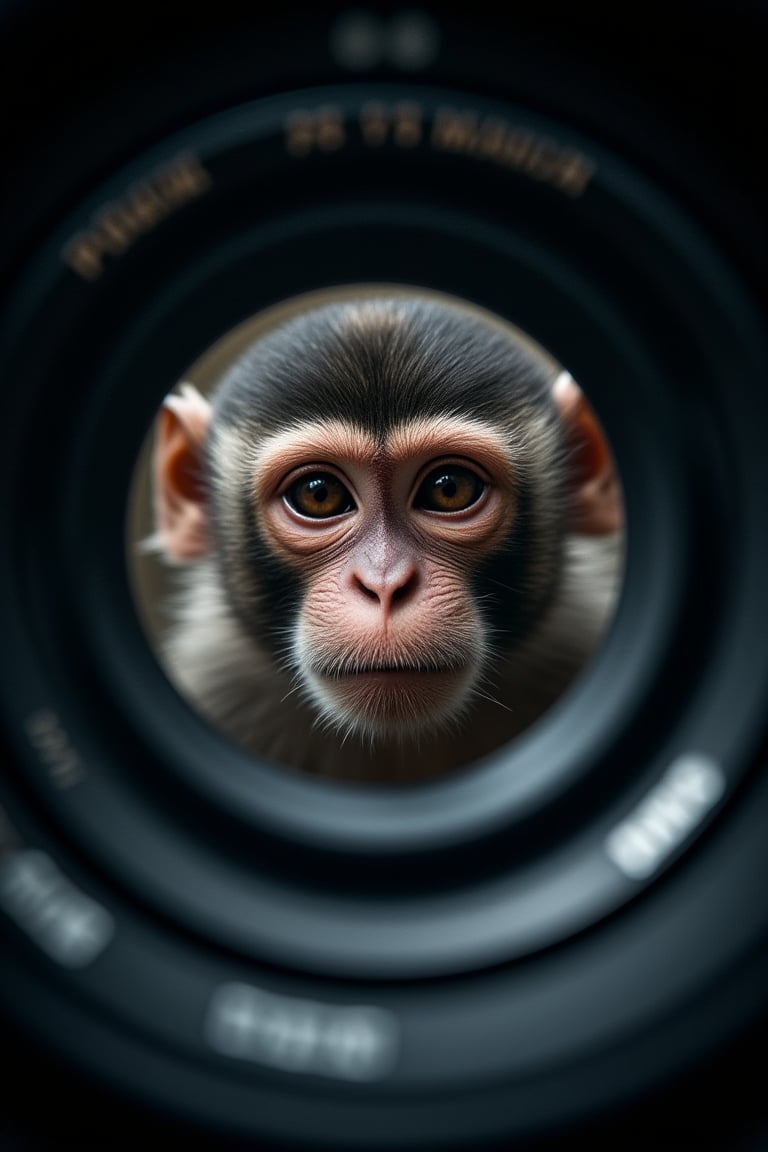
{"type": "Point", "coordinates": [367, 588]}
{"type": "Point", "coordinates": [403, 590]}
{"type": "Point", "coordinates": [369, 593]}
{"type": "Point", "coordinates": [386, 591]}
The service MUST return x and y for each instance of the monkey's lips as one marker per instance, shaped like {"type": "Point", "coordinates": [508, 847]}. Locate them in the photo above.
{"type": "Point", "coordinates": [390, 673]}
{"type": "Point", "coordinates": [396, 697]}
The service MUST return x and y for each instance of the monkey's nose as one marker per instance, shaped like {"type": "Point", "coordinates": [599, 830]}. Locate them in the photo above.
{"type": "Point", "coordinates": [388, 589]}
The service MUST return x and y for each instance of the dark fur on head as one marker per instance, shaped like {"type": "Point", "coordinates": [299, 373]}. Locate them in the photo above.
{"type": "Point", "coordinates": [381, 363]}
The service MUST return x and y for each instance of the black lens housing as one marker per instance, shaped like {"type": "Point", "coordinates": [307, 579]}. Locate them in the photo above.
{"type": "Point", "coordinates": [577, 923]}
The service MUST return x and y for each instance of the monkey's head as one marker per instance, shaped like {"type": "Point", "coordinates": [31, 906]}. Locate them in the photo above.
{"type": "Point", "coordinates": [383, 491]}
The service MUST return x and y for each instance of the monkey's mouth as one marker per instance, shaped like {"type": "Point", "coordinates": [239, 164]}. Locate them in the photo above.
{"type": "Point", "coordinates": [390, 670]}
{"type": "Point", "coordinates": [392, 700]}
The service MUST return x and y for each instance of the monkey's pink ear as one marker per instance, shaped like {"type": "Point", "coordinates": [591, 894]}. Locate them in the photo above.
{"type": "Point", "coordinates": [181, 517]}
{"type": "Point", "coordinates": [596, 504]}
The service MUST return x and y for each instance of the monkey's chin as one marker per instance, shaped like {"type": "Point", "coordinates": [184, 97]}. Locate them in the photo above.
{"type": "Point", "coordinates": [375, 705]}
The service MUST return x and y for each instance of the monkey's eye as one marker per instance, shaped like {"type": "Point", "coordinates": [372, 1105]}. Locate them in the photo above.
{"type": "Point", "coordinates": [319, 495]}
{"type": "Point", "coordinates": [449, 488]}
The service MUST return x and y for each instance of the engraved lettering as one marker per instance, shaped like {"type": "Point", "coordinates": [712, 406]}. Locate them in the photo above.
{"type": "Point", "coordinates": [70, 927]}
{"type": "Point", "coordinates": [669, 813]}
{"type": "Point", "coordinates": [400, 124]}
{"type": "Point", "coordinates": [348, 1043]}
{"type": "Point", "coordinates": [574, 173]}
{"type": "Point", "coordinates": [374, 123]}
{"type": "Point", "coordinates": [407, 128]}
{"type": "Point", "coordinates": [52, 744]}
{"type": "Point", "coordinates": [183, 181]}
{"type": "Point", "coordinates": [460, 131]}
{"type": "Point", "coordinates": [541, 160]}
{"type": "Point", "coordinates": [454, 131]}
{"type": "Point", "coordinates": [515, 149]}
{"type": "Point", "coordinates": [330, 129]}
{"type": "Point", "coordinates": [299, 134]}
{"type": "Point", "coordinates": [83, 255]}
{"type": "Point", "coordinates": [116, 226]}
{"type": "Point", "coordinates": [115, 231]}
{"type": "Point", "coordinates": [491, 138]}
{"type": "Point", "coordinates": [321, 129]}
{"type": "Point", "coordinates": [147, 208]}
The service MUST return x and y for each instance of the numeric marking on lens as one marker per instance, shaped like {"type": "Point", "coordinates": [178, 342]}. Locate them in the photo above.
{"type": "Point", "coordinates": [401, 123]}
{"type": "Point", "coordinates": [315, 130]}
{"type": "Point", "coordinates": [408, 126]}
{"type": "Point", "coordinates": [666, 816]}
{"type": "Point", "coordinates": [52, 744]}
{"type": "Point", "coordinates": [70, 927]}
{"type": "Point", "coordinates": [345, 1042]}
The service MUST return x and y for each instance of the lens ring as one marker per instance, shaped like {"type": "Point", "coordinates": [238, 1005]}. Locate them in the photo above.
{"type": "Point", "coordinates": [703, 351]}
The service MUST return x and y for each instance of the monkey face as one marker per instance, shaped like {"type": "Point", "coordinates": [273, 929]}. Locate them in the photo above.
{"type": "Point", "coordinates": [377, 528]}
{"type": "Point", "coordinates": [384, 534]}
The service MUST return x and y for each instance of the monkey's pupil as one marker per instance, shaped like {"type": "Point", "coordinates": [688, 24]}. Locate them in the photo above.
{"type": "Point", "coordinates": [319, 496]}
{"type": "Point", "coordinates": [450, 490]}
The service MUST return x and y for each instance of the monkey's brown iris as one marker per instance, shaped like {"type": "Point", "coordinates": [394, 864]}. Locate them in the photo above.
{"type": "Point", "coordinates": [450, 488]}
{"type": "Point", "coordinates": [319, 495]}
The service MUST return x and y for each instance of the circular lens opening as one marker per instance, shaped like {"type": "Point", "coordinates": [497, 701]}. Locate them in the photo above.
{"type": "Point", "coordinates": [394, 604]}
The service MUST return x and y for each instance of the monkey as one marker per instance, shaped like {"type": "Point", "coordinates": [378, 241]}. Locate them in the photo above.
{"type": "Point", "coordinates": [397, 532]}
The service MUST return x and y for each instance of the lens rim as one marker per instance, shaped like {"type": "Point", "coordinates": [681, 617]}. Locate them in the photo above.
{"type": "Point", "coordinates": [717, 308]}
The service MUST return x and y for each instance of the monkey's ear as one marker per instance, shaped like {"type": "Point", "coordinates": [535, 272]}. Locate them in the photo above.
{"type": "Point", "coordinates": [181, 517]}
{"type": "Point", "coordinates": [596, 504]}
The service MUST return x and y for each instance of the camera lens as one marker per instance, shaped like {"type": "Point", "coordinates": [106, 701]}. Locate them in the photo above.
{"type": "Point", "coordinates": [567, 924]}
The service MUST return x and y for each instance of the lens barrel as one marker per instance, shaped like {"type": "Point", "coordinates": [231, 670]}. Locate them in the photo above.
{"type": "Point", "coordinates": [505, 954]}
